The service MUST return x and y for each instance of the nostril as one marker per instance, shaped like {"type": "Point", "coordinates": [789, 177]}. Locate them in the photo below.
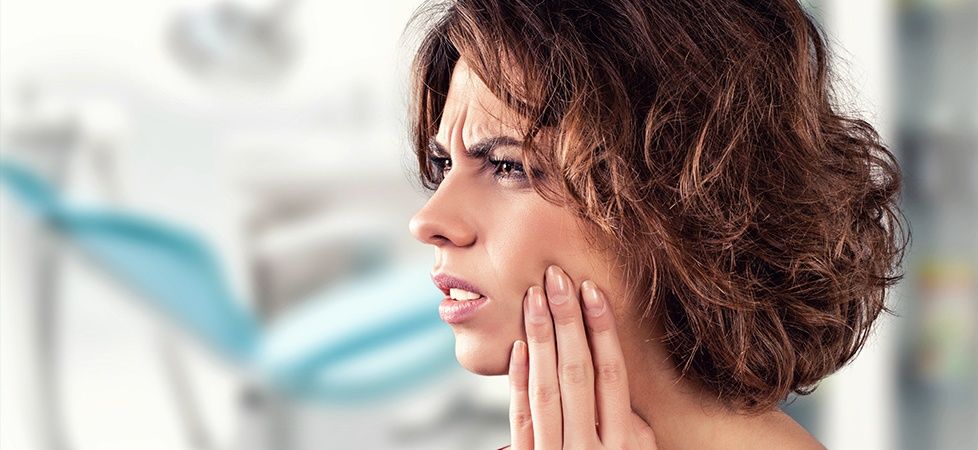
{"type": "Point", "coordinates": [438, 239]}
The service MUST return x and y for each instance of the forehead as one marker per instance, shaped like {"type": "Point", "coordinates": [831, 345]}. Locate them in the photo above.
{"type": "Point", "coordinates": [472, 112]}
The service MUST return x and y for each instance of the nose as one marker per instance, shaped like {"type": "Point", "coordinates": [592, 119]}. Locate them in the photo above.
{"type": "Point", "coordinates": [445, 220]}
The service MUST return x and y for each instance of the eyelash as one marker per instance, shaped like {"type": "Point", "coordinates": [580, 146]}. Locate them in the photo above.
{"type": "Point", "coordinates": [515, 171]}
{"type": "Point", "coordinates": [505, 169]}
{"type": "Point", "coordinates": [441, 165]}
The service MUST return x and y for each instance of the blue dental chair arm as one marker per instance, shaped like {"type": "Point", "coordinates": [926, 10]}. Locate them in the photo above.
{"type": "Point", "coordinates": [364, 339]}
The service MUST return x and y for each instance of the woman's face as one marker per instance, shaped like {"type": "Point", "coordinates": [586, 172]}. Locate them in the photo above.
{"type": "Point", "coordinates": [494, 236]}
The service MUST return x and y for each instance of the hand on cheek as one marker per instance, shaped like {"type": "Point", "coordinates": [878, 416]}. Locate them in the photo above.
{"type": "Point", "coordinates": [569, 388]}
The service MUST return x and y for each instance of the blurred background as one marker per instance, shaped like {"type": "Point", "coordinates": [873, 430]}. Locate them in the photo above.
{"type": "Point", "coordinates": [274, 133]}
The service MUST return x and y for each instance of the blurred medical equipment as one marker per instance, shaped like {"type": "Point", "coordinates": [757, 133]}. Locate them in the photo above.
{"type": "Point", "coordinates": [230, 40]}
{"type": "Point", "coordinates": [358, 340]}
{"type": "Point", "coordinates": [366, 338]}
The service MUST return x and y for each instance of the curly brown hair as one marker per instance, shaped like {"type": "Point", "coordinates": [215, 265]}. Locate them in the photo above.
{"type": "Point", "coordinates": [755, 223]}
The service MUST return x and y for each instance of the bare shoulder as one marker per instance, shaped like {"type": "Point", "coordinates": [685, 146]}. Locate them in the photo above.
{"type": "Point", "coordinates": [781, 431]}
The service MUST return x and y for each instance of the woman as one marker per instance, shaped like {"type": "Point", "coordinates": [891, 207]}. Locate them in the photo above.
{"type": "Point", "coordinates": [678, 172]}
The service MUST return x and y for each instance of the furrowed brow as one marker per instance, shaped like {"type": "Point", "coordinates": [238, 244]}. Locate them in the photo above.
{"type": "Point", "coordinates": [436, 149]}
{"type": "Point", "coordinates": [478, 150]}
{"type": "Point", "coordinates": [482, 148]}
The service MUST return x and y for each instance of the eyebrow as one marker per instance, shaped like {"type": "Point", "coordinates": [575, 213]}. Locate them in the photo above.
{"type": "Point", "coordinates": [479, 149]}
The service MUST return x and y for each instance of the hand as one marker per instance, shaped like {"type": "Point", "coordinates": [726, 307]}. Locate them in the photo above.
{"type": "Point", "coordinates": [557, 402]}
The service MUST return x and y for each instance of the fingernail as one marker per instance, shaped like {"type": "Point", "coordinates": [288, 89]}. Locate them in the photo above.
{"type": "Point", "coordinates": [519, 353]}
{"type": "Point", "coordinates": [593, 303]}
{"type": "Point", "coordinates": [537, 305]}
{"type": "Point", "coordinates": [558, 285]}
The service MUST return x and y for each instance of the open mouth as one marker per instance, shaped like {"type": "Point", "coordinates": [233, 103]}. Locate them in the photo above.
{"type": "Point", "coordinates": [462, 299]}
{"type": "Point", "coordinates": [462, 295]}
{"type": "Point", "coordinates": [456, 289]}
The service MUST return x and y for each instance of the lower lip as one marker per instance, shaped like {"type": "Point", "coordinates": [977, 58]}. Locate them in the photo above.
{"type": "Point", "coordinates": [455, 311]}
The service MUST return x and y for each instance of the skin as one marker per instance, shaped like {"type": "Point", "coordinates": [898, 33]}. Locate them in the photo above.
{"type": "Point", "coordinates": [495, 232]}
{"type": "Point", "coordinates": [545, 286]}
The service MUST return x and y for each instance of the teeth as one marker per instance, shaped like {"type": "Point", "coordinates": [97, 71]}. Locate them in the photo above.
{"type": "Point", "coordinates": [460, 294]}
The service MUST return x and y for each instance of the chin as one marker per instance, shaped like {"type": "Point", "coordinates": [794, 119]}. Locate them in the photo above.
{"type": "Point", "coordinates": [482, 356]}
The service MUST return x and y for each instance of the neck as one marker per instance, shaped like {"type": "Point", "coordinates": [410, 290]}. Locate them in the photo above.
{"type": "Point", "coordinates": [684, 415]}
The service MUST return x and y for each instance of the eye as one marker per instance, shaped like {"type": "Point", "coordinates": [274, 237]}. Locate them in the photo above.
{"type": "Point", "coordinates": [508, 169]}
{"type": "Point", "coordinates": [442, 165]}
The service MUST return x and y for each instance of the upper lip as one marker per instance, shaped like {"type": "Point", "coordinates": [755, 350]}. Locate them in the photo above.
{"type": "Point", "coordinates": [445, 282]}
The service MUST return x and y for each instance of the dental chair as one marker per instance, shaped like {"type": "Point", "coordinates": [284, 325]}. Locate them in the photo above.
{"type": "Point", "coordinates": [365, 338]}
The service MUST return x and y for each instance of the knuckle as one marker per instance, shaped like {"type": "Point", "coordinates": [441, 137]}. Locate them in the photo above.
{"type": "Point", "coordinates": [539, 335]}
{"type": "Point", "coordinates": [609, 373]}
{"type": "Point", "coordinates": [600, 324]}
{"type": "Point", "coordinates": [565, 317]}
{"type": "Point", "coordinates": [519, 385]}
{"type": "Point", "coordinates": [574, 373]}
{"type": "Point", "coordinates": [521, 420]}
{"type": "Point", "coordinates": [544, 395]}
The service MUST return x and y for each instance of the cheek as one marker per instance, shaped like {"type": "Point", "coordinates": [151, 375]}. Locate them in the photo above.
{"type": "Point", "coordinates": [520, 240]}
{"type": "Point", "coordinates": [537, 235]}
{"type": "Point", "coordinates": [541, 235]}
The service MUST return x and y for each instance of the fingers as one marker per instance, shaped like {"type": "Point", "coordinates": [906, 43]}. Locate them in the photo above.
{"type": "Point", "coordinates": [563, 378]}
{"type": "Point", "coordinates": [575, 372]}
{"type": "Point", "coordinates": [611, 381]}
{"type": "Point", "coordinates": [544, 394]}
{"type": "Point", "coordinates": [520, 419]}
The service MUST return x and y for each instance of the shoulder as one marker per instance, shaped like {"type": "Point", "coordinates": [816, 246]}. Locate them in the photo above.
{"type": "Point", "coordinates": [778, 431]}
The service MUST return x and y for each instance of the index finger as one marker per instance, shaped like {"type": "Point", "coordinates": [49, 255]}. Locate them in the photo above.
{"type": "Point", "coordinates": [611, 380]}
